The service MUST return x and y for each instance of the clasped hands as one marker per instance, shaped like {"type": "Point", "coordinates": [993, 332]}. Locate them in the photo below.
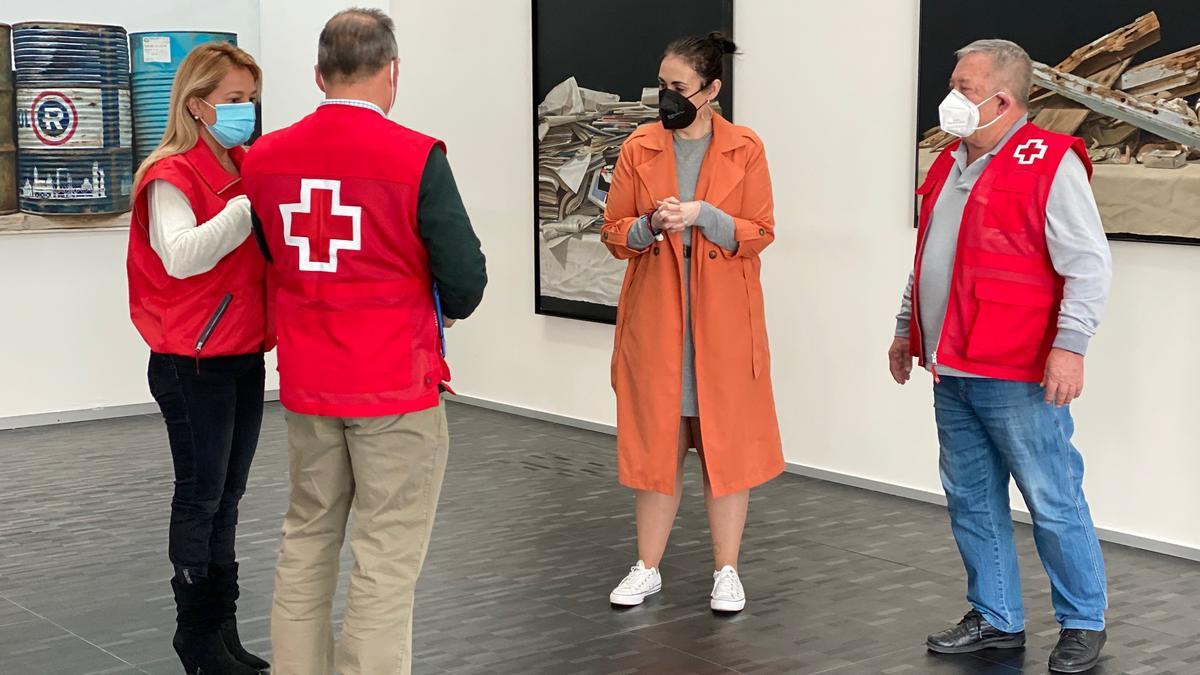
{"type": "Point", "coordinates": [672, 216]}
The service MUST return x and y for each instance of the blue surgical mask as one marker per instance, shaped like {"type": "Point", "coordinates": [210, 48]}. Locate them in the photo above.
{"type": "Point", "coordinates": [234, 125]}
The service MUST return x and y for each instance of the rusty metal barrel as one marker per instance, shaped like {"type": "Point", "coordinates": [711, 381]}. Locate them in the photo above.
{"type": "Point", "coordinates": [156, 56]}
{"type": "Point", "coordinates": [74, 124]}
{"type": "Point", "coordinates": [8, 144]}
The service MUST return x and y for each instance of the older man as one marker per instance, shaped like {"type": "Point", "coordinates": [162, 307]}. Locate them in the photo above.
{"type": "Point", "coordinates": [360, 217]}
{"type": "Point", "coordinates": [1009, 282]}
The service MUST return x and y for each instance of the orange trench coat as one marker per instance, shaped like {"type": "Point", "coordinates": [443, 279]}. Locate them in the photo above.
{"type": "Point", "coordinates": [739, 429]}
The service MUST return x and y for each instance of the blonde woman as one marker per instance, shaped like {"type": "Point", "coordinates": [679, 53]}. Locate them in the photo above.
{"type": "Point", "coordinates": [196, 295]}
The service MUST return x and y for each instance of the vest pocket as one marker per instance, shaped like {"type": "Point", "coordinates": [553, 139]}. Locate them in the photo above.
{"type": "Point", "coordinates": [1011, 323]}
{"type": "Point", "coordinates": [1013, 204]}
{"type": "Point", "coordinates": [355, 356]}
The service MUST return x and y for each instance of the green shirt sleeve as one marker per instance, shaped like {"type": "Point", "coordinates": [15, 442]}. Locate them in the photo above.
{"type": "Point", "coordinates": [455, 255]}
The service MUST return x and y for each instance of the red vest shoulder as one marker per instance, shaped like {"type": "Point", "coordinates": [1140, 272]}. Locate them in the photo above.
{"type": "Point", "coordinates": [337, 137]}
{"type": "Point", "coordinates": [174, 169]}
{"type": "Point", "coordinates": [1032, 149]}
{"type": "Point", "coordinates": [1037, 150]}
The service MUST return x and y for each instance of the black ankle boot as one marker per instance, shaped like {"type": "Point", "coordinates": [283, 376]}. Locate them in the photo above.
{"type": "Point", "coordinates": [197, 639]}
{"type": "Point", "coordinates": [225, 592]}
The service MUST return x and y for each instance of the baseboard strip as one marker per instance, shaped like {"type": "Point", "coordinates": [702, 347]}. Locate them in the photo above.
{"type": "Point", "coordinates": [534, 414]}
{"type": "Point", "coordinates": [91, 414]}
{"type": "Point", "coordinates": [1020, 516]}
{"type": "Point", "coordinates": [916, 494]}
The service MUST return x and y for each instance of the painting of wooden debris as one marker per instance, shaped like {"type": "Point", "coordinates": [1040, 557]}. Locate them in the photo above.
{"type": "Point", "coordinates": [593, 86]}
{"type": "Point", "coordinates": [1123, 75]}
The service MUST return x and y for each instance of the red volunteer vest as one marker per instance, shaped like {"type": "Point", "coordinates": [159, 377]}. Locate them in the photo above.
{"type": "Point", "coordinates": [354, 312]}
{"type": "Point", "coordinates": [171, 313]}
{"type": "Point", "coordinates": [1002, 314]}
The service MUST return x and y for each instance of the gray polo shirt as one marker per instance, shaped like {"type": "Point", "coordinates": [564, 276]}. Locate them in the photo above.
{"type": "Point", "coordinates": [1074, 236]}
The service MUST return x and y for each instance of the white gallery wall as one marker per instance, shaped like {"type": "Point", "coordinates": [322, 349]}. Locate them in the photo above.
{"type": "Point", "coordinates": [840, 141]}
{"type": "Point", "coordinates": [835, 107]}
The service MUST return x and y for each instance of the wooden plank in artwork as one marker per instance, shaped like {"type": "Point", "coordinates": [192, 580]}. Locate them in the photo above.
{"type": "Point", "coordinates": [1064, 116]}
{"type": "Point", "coordinates": [1159, 119]}
{"type": "Point", "coordinates": [1175, 75]}
{"type": "Point", "coordinates": [936, 139]}
{"type": "Point", "coordinates": [1113, 48]}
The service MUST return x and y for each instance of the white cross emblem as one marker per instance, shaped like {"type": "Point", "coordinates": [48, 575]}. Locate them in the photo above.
{"type": "Point", "coordinates": [325, 230]}
{"type": "Point", "coordinates": [1030, 151]}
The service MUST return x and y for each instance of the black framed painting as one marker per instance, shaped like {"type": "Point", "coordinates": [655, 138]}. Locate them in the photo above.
{"type": "Point", "coordinates": [595, 80]}
{"type": "Point", "coordinates": [1124, 75]}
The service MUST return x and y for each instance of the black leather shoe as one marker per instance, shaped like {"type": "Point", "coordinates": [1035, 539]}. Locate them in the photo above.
{"type": "Point", "coordinates": [973, 634]}
{"type": "Point", "coordinates": [1077, 651]}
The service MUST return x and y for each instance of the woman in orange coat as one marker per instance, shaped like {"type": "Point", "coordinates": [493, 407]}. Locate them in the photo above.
{"type": "Point", "coordinates": [691, 209]}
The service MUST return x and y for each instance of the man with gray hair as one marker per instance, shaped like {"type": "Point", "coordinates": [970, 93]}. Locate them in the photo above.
{"type": "Point", "coordinates": [1011, 274]}
{"type": "Point", "coordinates": [371, 252]}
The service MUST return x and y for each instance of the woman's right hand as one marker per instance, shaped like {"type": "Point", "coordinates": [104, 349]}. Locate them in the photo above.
{"type": "Point", "coordinates": [240, 203]}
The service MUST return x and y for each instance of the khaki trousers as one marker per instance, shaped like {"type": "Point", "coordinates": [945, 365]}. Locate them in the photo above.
{"type": "Point", "coordinates": [389, 471]}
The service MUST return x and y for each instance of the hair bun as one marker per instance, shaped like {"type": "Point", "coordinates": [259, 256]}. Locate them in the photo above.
{"type": "Point", "coordinates": [722, 42]}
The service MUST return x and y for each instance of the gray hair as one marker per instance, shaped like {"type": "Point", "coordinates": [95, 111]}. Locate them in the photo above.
{"type": "Point", "coordinates": [356, 43]}
{"type": "Point", "coordinates": [1010, 62]}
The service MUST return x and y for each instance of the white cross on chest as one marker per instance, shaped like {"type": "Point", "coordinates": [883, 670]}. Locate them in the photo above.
{"type": "Point", "coordinates": [1030, 151]}
{"type": "Point", "coordinates": [320, 225]}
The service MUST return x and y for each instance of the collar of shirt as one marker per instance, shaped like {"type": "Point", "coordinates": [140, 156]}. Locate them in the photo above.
{"type": "Point", "coordinates": [960, 155]}
{"type": "Point", "coordinates": [963, 177]}
{"type": "Point", "coordinates": [354, 103]}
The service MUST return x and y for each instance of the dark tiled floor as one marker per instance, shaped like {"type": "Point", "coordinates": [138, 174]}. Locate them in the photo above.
{"type": "Point", "coordinates": [532, 533]}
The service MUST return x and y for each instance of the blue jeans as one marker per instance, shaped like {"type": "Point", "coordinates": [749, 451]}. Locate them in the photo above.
{"type": "Point", "coordinates": [989, 430]}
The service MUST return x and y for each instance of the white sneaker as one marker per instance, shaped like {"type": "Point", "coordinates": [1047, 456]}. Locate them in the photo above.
{"type": "Point", "coordinates": [639, 584]}
{"type": "Point", "coordinates": [727, 593]}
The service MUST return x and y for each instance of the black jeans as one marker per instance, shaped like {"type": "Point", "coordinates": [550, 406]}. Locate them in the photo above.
{"type": "Point", "coordinates": [213, 409]}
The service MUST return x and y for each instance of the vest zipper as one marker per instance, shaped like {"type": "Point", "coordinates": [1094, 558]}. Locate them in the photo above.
{"type": "Point", "coordinates": [916, 310]}
{"type": "Point", "coordinates": [211, 326]}
{"type": "Point", "coordinates": [953, 275]}
{"type": "Point", "coordinates": [958, 260]}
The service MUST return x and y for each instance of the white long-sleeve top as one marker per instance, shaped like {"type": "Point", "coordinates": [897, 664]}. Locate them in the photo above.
{"type": "Point", "coordinates": [188, 249]}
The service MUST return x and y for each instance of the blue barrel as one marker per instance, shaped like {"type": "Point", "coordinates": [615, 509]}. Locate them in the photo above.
{"type": "Point", "coordinates": [8, 145]}
{"type": "Point", "coordinates": [156, 57]}
{"type": "Point", "coordinates": [74, 127]}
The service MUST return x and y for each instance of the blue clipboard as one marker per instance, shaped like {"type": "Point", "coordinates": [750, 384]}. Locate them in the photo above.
{"type": "Point", "coordinates": [441, 320]}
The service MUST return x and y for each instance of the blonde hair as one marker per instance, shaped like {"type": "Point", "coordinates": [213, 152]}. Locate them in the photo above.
{"type": "Point", "coordinates": [199, 74]}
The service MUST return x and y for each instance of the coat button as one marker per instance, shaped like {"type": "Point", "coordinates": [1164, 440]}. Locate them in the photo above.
{"type": "Point", "coordinates": [604, 237]}
{"type": "Point", "coordinates": [655, 250]}
{"type": "Point", "coordinates": [762, 231]}
{"type": "Point", "coordinates": [712, 255]}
